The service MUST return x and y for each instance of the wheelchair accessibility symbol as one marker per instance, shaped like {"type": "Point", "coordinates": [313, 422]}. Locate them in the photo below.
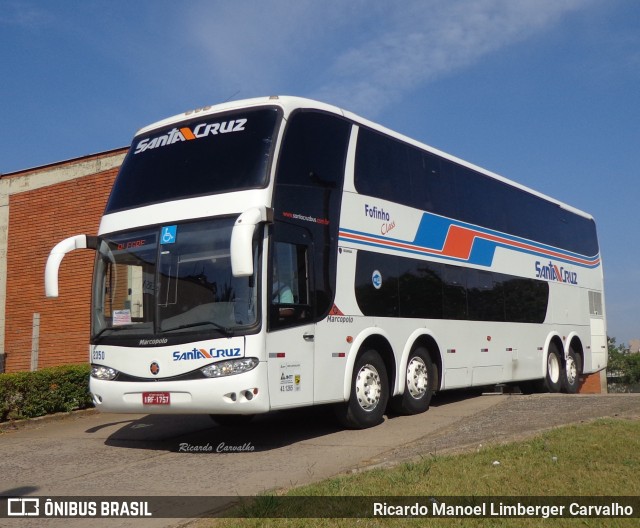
{"type": "Point", "coordinates": [168, 235]}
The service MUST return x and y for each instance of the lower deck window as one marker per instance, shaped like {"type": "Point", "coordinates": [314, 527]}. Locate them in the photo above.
{"type": "Point", "coordinates": [391, 286]}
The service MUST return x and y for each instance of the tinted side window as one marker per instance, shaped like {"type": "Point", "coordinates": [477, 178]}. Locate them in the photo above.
{"type": "Point", "coordinates": [420, 285]}
{"type": "Point", "coordinates": [381, 167]}
{"type": "Point", "coordinates": [455, 293]}
{"type": "Point", "coordinates": [525, 300]}
{"type": "Point", "coordinates": [314, 150]}
{"type": "Point", "coordinates": [308, 191]}
{"type": "Point", "coordinates": [390, 286]}
{"type": "Point", "coordinates": [485, 296]}
{"type": "Point", "coordinates": [377, 284]}
{"type": "Point", "coordinates": [392, 170]}
{"type": "Point", "coordinates": [442, 195]}
{"type": "Point", "coordinates": [290, 296]}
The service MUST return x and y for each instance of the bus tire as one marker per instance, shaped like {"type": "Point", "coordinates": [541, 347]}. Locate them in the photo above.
{"type": "Point", "coordinates": [571, 373]}
{"type": "Point", "coordinates": [231, 420]}
{"type": "Point", "coordinates": [419, 384]}
{"type": "Point", "coordinates": [369, 393]}
{"type": "Point", "coordinates": [553, 377]}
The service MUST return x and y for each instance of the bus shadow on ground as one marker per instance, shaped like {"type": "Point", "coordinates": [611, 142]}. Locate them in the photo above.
{"type": "Point", "coordinates": [199, 433]}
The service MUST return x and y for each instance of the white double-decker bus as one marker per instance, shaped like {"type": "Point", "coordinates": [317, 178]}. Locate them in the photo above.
{"type": "Point", "coordinates": [279, 252]}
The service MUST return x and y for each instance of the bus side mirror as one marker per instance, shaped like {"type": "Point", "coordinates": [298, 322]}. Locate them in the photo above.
{"type": "Point", "coordinates": [242, 239]}
{"type": "Point", "coordinates": [56, 256]}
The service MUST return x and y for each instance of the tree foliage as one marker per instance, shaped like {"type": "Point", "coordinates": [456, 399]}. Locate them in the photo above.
{"type": "Point", "coordinates": [624, 364]}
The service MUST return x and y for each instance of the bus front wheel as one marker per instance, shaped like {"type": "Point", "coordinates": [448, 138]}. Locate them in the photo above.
{"type": "Point", "coordinates": [419, 385]}
{"type": "Point", "coordinates": [369, 393]}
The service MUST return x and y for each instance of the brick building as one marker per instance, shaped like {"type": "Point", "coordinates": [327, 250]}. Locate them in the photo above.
{"type": "Point", "coordinates": [38, 208]}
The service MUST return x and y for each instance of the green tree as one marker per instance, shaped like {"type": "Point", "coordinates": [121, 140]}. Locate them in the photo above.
{"type": "Point", "coordinates": [623, 363]}
{"type": "Point", "coordinates": [616, 355]}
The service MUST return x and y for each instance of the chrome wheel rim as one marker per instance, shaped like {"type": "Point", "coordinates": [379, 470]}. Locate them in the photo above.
{"type": "Point", "coordinates": [417, 378]}
{"type": "Point", "coordinates": [572, 370]}
{"type": "Point", "coordinates": [368, 387]}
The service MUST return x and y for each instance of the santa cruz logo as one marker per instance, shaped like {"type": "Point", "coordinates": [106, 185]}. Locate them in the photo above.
{"type": "Point", "coordinates": [552, 272]}
{"type": "Point", "coordinates": [201, 353]}
{"type": "Point", "coordinates": [187, 134]}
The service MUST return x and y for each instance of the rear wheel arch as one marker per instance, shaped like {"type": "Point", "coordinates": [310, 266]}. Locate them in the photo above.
{"type": "Point", "coordinates": [382, 346]}
{"type": "Point", "coordinates": [576, 345]}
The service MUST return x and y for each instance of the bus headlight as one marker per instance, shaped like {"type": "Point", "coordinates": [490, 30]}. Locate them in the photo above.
{"type": "Point", "coordinates": [229, 368]}
{"type": "Point", "coordinates": [103, 373]}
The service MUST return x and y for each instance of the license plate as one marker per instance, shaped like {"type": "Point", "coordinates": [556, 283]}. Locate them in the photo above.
{"type": "Point", "coordinates": [156, 398]}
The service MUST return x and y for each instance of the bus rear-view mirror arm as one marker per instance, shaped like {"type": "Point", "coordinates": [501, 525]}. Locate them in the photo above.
{"type": "Point", "coordinates": [56, 256]}
{"type": "Point", "coordinates": [242, 239]}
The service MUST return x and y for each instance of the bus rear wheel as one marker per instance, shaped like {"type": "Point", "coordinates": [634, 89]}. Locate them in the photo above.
{"type": "Point", "coordinates": [419, 385]}
{"type": "Point", "coordinates": [553, 378]}
{"type": "Point", "coordinates": [572, 372]}
{"type": "Point", "coordinates": [369, 393]}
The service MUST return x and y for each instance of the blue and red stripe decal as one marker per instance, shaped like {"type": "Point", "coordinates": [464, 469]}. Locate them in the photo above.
{"type": "Point", "coordinates": [453, 240]}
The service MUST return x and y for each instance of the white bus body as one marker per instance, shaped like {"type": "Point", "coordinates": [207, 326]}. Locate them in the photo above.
{"type": "Point", "coordinates": [279, 252]}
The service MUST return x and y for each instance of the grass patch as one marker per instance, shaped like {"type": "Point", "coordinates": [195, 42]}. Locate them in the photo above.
{"type": "Point", "coordinates": [601, 458]}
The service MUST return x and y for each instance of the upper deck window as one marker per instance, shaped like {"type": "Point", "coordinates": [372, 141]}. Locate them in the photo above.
{"type": "Point", "coordinates": [390, 169]}
{"type": "Point", "coordinates": [206, 155]}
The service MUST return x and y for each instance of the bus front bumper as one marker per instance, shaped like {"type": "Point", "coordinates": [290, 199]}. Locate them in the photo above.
{"type": "Point", "coordinates": [245, 393]}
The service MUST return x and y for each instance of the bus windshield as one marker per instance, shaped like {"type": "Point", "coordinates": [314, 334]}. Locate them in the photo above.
{"type": "Point", "coordinates": [171, 280]}
{"type": "Point", "coordinates": [207, 155]}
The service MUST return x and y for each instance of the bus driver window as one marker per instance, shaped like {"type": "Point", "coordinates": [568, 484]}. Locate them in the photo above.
{"type": "Point", "coordinates": [289, 297]}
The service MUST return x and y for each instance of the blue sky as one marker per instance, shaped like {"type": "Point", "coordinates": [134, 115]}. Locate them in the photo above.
{"type": "Point", "coordinates": [545, 92]}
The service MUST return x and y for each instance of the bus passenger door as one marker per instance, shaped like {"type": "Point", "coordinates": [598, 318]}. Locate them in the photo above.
{"type": "Point", "coordinates": [290, 337]}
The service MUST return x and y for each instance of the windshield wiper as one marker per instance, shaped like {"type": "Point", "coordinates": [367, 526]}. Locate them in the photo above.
{"type": "Point", "coordinates": [119, 329]}
{"type": "Point", "coordinates": [101, 333]}
{"type": "Point", "coordinates": [225, 330]}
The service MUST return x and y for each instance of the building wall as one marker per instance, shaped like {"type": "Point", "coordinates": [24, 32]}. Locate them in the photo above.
{"type": "Point", "coordinates": [38, 209]}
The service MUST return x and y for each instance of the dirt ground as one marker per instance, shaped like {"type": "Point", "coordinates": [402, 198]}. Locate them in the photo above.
{"type": "Point", "coordinates": [514, 418]}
